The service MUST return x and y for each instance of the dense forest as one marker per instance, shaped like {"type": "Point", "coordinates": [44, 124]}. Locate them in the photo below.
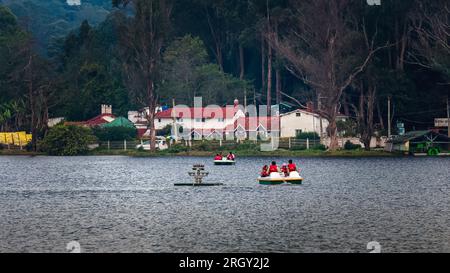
{"type": "Point", "coordinates": [345, 56]}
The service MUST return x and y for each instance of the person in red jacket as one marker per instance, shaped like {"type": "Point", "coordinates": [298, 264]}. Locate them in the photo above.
{"type": "Point", "coordinates": [265, 171]}
{"type": "Point", "coordinates": [218, 157]}
{"type": "Point", "coordinates": [292, 167]}
{"type": "Point", "coordinates": [231, 156]}
{"type": "Point", "coordinates": [274, 168]}
{"type": "Point", "coordinates": [284, 170]}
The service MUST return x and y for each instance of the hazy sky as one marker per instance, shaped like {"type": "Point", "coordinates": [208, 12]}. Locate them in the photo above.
{"type": "Point", "coordinates": [74, 2]}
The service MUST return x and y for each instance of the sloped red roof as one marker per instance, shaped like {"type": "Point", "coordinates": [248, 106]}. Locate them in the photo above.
{"type": "Point", "coordinates": [98, 120]}
{"type": "Point", "coordinates": [74, 123]}
{"type": "Point", "coordinates": [198, 112]}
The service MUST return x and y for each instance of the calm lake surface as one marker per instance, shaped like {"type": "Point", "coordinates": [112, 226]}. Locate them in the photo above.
{"type": "Point", "coordinates": [122, 204]}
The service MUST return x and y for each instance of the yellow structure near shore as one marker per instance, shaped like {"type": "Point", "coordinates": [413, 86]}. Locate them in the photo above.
{"type": "Point", "coordinates": [15, 138]}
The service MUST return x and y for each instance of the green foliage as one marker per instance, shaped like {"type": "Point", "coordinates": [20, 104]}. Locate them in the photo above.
{"type": "Point", "coordinates": [85, 67]}
{"type": "Point", "coordinates": [10, 115]}
{"type": "Point", "coordinates": [347, 128]}
{"type": "Point", "coordinates": [52, 19]}
{"type": "Point", "coordinates": [299, 148]}
{"type": "Point", "coordinates": [188, 74]}
{"type": "Point", "coordinates": [319, 147]}
{"type": "Point", "coordinates": [217, 87]}
{"type": "Point", "coordinates": [202, 146]}
{"type": "Point", "coordinates": [166, 131]}
{"type": "Point", "coordinates": [247, 146]}
{"type": "Point", "coordinates": [19, 65]}
{"type": "Point", "coordinates": [8, 22]}
{"type": "Point", "coordinates": [178, 148]}
{"type": "Point", "coordinates": [308, 135]}
{"type": "Point", "coordinates": [186, 52]}
{"type": "Point", "coordinates": [12, 60]}
{"type": "Point", "coordinates": [115, 133]}
{"type": "Point", "coordinates": [92, 72]}
{"type": "Point", "coordinates": [67, 141]}
{"type": "Point", "coordinates": [350, 146]}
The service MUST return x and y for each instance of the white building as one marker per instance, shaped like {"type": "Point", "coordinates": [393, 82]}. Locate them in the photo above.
{"type": "Point", "coordinates": [209, 122]}
{"type": "Point", "coordinates": [204, 122]}
{"type": "Point", "coordinates": [302, 121]}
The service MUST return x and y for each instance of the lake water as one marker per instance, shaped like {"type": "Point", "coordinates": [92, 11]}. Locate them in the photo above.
{"type": "Point", "coordinates": [122, 204]}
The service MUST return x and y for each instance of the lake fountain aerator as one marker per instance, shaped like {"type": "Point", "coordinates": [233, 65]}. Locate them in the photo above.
{"type": "Point", "coordinates": [198, 173]}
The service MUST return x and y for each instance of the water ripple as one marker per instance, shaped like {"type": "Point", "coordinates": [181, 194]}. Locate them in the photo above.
{"type": "Point", "coordinates": [121, 204]}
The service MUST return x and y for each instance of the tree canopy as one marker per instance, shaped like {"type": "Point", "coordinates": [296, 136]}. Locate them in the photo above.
{"type": "Point", "coordinates": [344, 56]}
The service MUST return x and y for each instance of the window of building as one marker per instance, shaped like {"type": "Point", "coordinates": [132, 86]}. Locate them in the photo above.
{"type": "Point", "coordinates": [298, 114]}
{"type": "Point", "coordinates": [298, 132]}
{"type": "Point", "coordinates": [159, 120]}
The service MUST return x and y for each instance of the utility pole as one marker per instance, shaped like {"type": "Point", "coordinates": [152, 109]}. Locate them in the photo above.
{"type": "Point", "coordinates": [175, 127]}
{"type": "Point", "coordinates": [245, 99]}
{"type": "Point", "coordinates": [448, 116]}
{"type": "Point", "coordinates": [269, 64]}
{"type": "Point", "coordinates": [389, 117]}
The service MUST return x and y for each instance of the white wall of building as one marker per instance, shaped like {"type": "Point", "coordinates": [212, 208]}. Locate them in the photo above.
{"type": "Point", "coordinates": [187, 123]}
{"type": "Point", "coordinates": [302, 121]}
{"type": "Point", "coordinates": [54, 121]}
{"type": "Point", "coordinates": [374, 142]}
{"type": "Point", "coordinates": [134, 116]}
{"type": "Point", "coordinates": [163, 123]}
{"type": "Point", "coordinates": [207, 124]}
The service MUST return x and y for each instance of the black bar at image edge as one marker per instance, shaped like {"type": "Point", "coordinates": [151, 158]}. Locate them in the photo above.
{"type": "Point", "coordinates": [222, 262]}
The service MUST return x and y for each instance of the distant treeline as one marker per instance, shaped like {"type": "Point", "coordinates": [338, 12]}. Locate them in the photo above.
{"type": "Point", "coordinates": [344, 55]}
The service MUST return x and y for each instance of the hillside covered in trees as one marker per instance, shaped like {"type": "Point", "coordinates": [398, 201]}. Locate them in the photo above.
{"type": "Point", "coordinates": [52, 19]}
{"type": "Point", "coordinates": [343, 55]}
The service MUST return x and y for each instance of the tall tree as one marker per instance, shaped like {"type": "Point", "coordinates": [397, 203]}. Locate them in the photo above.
{"type": "Point", "coordinates": [143, 38]}
{"type": "Point", "coordinates": [27, 78]}
{"type": "Point", "coordinates": [323, 49]}
{"type": "Point", "coordinates": [37, 76]}
{"type": "Point", "coordinates": [431, 48]}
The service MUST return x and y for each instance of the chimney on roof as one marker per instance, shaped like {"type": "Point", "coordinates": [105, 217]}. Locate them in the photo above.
{"type": "Point", "coordinates": [310, 106]}
{"type": "Point", "coordinates": [106, 109]}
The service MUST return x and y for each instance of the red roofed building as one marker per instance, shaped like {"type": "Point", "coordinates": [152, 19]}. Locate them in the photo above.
{"type": "Point", "coordinates": [212, 123]}
{"type": "Point", "coordinates": [205, 122]}
{"type": "Point", "coordinates": [100, 120]}
{"type": "Point", "coordinates": [105, 117]}
{"type": "Point", "coordinates": [254, 127]}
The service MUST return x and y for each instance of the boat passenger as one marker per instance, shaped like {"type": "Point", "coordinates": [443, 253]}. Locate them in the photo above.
{"type": "Point", "coordinates": [274, 168]}
{"type": "Point", "coordinates": [284, 169]}
{"type": "Point", "coordinates": [292, 167]}
{"type": "Point", "coordinates": [218, 157]}
{"type": "Point", "coordinates": [231, 156]}
{"type": "Point", "coordinates": [265, 171]}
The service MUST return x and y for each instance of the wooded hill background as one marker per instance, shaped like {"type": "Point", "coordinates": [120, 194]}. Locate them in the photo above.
{"type": "Point", "coordinates": [61, 60]}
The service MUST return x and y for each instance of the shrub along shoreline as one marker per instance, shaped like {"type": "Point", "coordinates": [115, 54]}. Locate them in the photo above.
{"type": "Point", "coordinates": [76, 141]}
{"type": "Point", "coordinates": [199, 153]}
{"type": "Point", "coordinates": [249, 153]}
